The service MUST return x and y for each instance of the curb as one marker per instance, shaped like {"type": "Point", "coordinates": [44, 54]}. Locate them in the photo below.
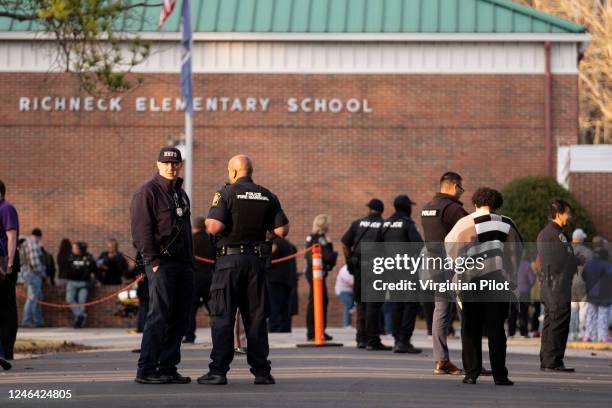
{"type": "Point", "coordinates": [589, 346]}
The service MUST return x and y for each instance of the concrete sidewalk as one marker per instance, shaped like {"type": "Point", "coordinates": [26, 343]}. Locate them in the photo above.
{"type": "Point", "coordinates": [121, 339]}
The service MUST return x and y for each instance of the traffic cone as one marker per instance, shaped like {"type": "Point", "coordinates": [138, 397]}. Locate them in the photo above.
{"type": "Point", "coordinates": [317, 292]}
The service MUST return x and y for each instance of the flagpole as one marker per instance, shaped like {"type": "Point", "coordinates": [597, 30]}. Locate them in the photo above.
{"type": "Point", "coordinates": [189, 156]}
{"type": "Point", "coordinates": [187, 91]}
{"type": "Point", "coordinates": [186, 83]}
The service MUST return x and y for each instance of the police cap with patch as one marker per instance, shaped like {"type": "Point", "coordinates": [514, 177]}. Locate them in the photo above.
{"type": "Point", "coordinates": [170, 154]}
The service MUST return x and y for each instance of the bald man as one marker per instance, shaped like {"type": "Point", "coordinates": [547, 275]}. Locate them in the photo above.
{"type": "Point", "coordinates": [240, 216]}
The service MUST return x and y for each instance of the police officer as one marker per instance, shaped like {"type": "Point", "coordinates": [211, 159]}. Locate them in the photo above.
{"type": "Point", "coordinates": [320, 229]}
{"type": "Point", "coordinates": [161, 231]}
{"type": "Point", "coordinates": [558, 267]}
{"type": "Point", "coordinates": [368, 314]}
{"type": "Point", "coordinates": [280, 278]}
{"type": "Point", "coordinates": [438, 217]}
{"type": "Point", "coordinates": [400, 228]}
{"type": "Point", "coordinates": [240, 215]}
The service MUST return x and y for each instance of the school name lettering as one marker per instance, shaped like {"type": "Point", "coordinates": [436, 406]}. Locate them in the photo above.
{"type": "Point", "coordinates": [200, 104]}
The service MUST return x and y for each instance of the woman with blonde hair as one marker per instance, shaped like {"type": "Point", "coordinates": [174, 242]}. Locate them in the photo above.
{"type": "Point", "coordinates": [320, 228]}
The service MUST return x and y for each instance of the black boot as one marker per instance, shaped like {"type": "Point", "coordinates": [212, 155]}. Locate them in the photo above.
{"type": "Point", "coordinates": [152, 379]}
{"type": "Point", "coordinates": [212, 379]}
{"type": "Point", "coordinates": [264, 380]}
{"type": "Point", "coordinates": [406, 347]}
{"type": "Point", "coordinates": [5, 364]}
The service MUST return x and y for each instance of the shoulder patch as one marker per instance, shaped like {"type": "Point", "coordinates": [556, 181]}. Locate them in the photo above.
{"type": "Point", "coordinates": [216, 198]}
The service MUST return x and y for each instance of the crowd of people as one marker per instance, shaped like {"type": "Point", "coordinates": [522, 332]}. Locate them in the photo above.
{"type": "Point", "coordinates": [74, 269]}
{"type": "Point", "coordinates": [542, 289]}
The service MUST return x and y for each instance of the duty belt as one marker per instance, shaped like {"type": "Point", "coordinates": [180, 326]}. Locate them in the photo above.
{"type": "Point", "coordinates": [240, 250]}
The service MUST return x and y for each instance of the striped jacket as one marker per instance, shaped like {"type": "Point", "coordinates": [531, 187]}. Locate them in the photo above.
{"type": "Point", "coordinates": [492, 237]}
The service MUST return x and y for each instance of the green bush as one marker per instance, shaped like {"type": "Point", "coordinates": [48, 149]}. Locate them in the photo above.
{"type": "Point", "coordinates": [527, 200]}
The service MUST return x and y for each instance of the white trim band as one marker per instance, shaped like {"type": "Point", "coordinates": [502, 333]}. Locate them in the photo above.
{"type": "Point", "coordinates": [449, 58]}
{"type": "Point", "coordinates": [338, 37]}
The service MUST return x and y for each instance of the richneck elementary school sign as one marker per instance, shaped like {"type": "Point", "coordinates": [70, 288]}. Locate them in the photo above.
{"type": "Point", "coordinates": [200, 104]}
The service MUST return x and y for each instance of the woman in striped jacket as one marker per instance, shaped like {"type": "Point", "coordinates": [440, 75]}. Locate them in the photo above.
{"type": "Point", "coordinates": [494, 245]}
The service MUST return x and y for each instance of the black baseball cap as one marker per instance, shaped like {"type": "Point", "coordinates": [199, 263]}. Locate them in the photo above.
{"type": "Point", "coordinates": [170, 154]}
{"type": "Point", "coordinates": [402, 202]}
{"type": "Point", "coordinates": [376, 205]}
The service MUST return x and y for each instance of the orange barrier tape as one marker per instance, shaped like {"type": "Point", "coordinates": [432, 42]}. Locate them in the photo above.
{"type": "Point", "coordinates": [141, 277]}
{"type": "Point", "coordinates": [283, 259]}
{"type": "Point", "coordinates": [91, 303]}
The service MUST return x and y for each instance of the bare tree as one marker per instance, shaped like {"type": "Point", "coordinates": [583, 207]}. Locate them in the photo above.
{"type": "Point", "coordinates": [596, 66]}
{"type": "Point", "coordinates": [93, 37]}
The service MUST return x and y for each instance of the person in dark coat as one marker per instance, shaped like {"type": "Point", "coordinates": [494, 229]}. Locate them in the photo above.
{"type": "Point", "coordinates": [160, 218]}
{"type": "Point", "coordinates": [558, 267]}
{"type": "Point", "coordinates": [112, 264]}
{"type": "Point", "coordinates": [598, 281]}
{"type": "Point", "coordinates": [280, 279]}
{"type": "Point", "coordinates": [401, 228]}
{"type": "Point", "coordinates": [82, 273]}
{"type": "Point", "coordinates": [9, 268]}
{"type": "Point", "coordinates": [368, 313]}
{"type": "Point", "coordinates": [63, 260]}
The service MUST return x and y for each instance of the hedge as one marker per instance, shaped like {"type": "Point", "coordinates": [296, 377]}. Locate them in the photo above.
{"type": "Point", "coordinates": [527, 201]}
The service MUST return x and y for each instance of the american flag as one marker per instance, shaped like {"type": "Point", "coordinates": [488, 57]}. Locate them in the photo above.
{"type": "Point", "coordinates": [167, 8]}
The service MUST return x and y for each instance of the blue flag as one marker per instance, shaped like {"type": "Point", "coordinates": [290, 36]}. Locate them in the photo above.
{"type": "Point", "coordinates": [186, 83]}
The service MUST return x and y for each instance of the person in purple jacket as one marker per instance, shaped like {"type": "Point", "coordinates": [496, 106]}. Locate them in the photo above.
{"type": "Point", "coordinates": [525, 281]}
{"type": "Point", "coordinates": [9, 268]}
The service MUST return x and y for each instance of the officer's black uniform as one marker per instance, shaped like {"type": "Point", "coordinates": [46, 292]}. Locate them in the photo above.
{"type": "Point", "coordinates": [368, 314]}
{"type": "Point", "coordinates": [438, 218]}
{"type": "Point", "coordinates": [281, 280]}
{"type": "Point", "coordinates": [400, 228]}
{"type": "Point", "coordinates": [248, 211]}
{"type": "Point", "coordinates": [161, 230]}
{"type": "Point", "coordinates": [328, 258]}
{"type": "Point", "coordinates": [558, 267]}
{"type": "Point", "coordinates": [202, 247]}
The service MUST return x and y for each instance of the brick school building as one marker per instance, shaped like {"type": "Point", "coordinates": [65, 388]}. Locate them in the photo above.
{"type": "Point", "coordinates": [336, 102]}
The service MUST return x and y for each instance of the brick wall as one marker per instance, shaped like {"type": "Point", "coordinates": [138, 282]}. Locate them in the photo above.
{"type": "Point", "coordinates": [73, 174]}
{"type": "Point", "coordinates": [594, 190]}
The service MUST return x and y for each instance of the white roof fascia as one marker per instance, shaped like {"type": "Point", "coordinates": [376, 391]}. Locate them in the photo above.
{"type": "Point", "coordinates": [337, 37]}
